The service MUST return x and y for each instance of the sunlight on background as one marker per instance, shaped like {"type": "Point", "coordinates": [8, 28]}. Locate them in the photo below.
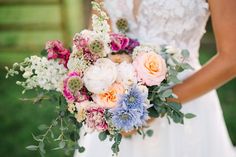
{"type": "Point", "coordinates": [25, 25]}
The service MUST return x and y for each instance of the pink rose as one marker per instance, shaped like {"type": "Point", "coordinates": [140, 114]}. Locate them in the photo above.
{"type": "Point", "coordinates": [151, 68]}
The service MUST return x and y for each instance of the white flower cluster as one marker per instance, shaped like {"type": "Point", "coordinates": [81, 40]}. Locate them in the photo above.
{"type": "Point", "coordinates": [43, 73]}
{"type": "Point", "coordinates": [77, 62]}
{"type": "Point", "coordinates": [145, 49]}
{"type": "Point", "coordinates": [100, 24]}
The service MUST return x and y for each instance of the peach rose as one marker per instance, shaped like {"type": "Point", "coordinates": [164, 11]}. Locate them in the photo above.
{"type": "Point", "coordinates": [151, 68]}
{"type": "Point", "coordinates": [109, 98]}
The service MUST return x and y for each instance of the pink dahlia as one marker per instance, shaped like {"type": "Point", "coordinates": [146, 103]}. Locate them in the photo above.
{"type": "Point", "coordinates": [96, 119]}
{"type": "Point", "coordinates": [73, 89]}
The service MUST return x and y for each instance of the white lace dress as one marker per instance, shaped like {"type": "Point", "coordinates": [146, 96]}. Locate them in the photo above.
{"type": "Point", "coordinates": [180, 23]}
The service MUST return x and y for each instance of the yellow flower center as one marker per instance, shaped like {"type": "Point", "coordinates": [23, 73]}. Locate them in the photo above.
{"type": "Point", "coordinates": [152, 65]}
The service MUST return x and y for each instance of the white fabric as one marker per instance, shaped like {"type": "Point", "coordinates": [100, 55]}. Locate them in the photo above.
{"type": "Point", "coordinates": [180, 23]}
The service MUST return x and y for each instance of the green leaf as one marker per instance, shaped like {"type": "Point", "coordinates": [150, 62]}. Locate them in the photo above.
{"type": "Point", "coordinates": [174, 79]}
{"type": "Point", "coordinates": [41, 147]}
{"type": "Point", "coordinates": [36, 138]}
{"type": "Point", "coordinates": [62, 144]}
{"type": "Point", "coordinates": [176, 117]}
{"type": "Point", "coordinates": [52, 134]}
{"type": "Point", "coordinates": [179, 68]}
{"type": "Point", "coordinates": [118, 138]}
{"type": "Point", "coordinates": [81, 149]}
{"type": "Point", "coordinates": [44, 52]}
{"type": "Point", "coordinates": [74, 136]}
{"type": "Point", "coordinates": [174, 105]}
{"type": "Point", "coordinates": [42, 127]}
{"type": "Point", "coordinates": [186, 66]}
{"type": "Point", "coordinates": [115, 148]}
{"type": "Point", "coordinates": [185, 53]}
{"type": "Point", "coordinates": [167, 93]}
{"type": "Point", "coordinates": [32, 148]}
{"type": "Point", "coordinates": [102, 136]}
{"type": "Point", "coordinates": [189, 115]}
{"type": "Point", "coordinates": [153, 113]}
{"type": "Point", "coordinates": [149, 133]}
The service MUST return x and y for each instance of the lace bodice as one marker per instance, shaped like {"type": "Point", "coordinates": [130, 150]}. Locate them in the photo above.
{"type": "Point", "coordinates": [180, 23]}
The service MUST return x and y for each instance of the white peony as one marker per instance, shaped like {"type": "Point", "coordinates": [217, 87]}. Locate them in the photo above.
{"type": "Point", "coordinates": [98, 77]}
{"type": "Point", "coordinates": [126, 74]}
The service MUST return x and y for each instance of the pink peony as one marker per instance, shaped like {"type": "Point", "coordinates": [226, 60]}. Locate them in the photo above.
{"type": "Point", "coordinates": [151, 68]}
{"type": "Point", "coordinates": [118, 42]}
{"type": "Point", "coordinates": [73, 89]}
{"type": "Point", "coordinates": [95, 119]}
{"type": "Point", "coordinates": [56, 50]}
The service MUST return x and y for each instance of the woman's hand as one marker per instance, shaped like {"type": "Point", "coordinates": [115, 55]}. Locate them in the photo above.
{"type": "Point", "coordinates": [134, 132]}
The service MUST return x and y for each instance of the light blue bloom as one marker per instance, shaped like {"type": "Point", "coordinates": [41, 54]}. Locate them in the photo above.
{"type": "Point", "coordinates": [143, 116]}
{"type": "Point", "coordinates": [124, 118]}
{"type": "Point", "coordinates": [134, 99]}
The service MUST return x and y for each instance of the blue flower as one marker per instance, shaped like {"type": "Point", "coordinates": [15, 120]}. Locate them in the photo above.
{"type": "Point", "coordinates": [124, 118]}
{"type": "Point", "coordinates": [143, 116]}
{"type": "Point", "coordinates": [134, 99]}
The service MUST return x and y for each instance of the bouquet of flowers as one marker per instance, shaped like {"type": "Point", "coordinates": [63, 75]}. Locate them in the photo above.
{"type": "Point", "coordinates": [97, 93]}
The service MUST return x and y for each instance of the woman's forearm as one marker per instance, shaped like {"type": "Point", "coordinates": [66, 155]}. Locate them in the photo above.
{"type": "Point", "coordinates": [215, 73]}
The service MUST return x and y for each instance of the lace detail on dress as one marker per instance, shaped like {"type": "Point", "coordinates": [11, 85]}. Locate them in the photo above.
{"type": "Point", "coordinates": [180, 23]}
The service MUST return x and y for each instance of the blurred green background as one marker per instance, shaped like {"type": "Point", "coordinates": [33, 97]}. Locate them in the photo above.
{"type": "Point", "coordinates": [25, 25]}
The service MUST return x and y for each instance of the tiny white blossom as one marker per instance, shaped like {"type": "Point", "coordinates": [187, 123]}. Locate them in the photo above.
{"type": "Point", "coordinates": [43, 73]}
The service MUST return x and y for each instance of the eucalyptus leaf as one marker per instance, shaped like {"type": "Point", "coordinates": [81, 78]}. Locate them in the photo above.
{"type": "Point", "coordinates": [42, 127]}
{"type": "Point", "coordinates": [41, 147]}
{"type": "Point", "coordinates": [118, 138]}
{"type": "Point", "coordinates": [62, 144]}
{"type": "Point", "coordinates": [81, 149]}
{"type": "Point", "coordinates": [167, 93]}
{"type": "Point", "coordinates": [186, 66]}
{"type": "Point", "coordinates": [185, 53]}
{"type": "Point", "coordinates": [153, 113]}
{"type": "Point", "coordinates": [36, 138]}
{"type": "Point", "coordinates": [189, 115]}
{"type": "Point", "coordinates": [32, 148]}
{"type": "Point", "coordinates": [174, 105]}
{"type": "Point", "coordinates": [149, 132]}
{"type": "Point", "coordinates": [102, 136]}
{"type": "Point", "coordinates": [115, 148]}
{"type": "Point", "coordinates": [74, 136]}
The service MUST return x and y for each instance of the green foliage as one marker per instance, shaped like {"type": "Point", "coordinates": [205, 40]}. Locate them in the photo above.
{"type": "Point", "coordinates": [102, 136]}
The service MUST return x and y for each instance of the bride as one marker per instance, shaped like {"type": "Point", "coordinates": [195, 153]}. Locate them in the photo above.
{"type": "Point", "coordinates": [181, 23]}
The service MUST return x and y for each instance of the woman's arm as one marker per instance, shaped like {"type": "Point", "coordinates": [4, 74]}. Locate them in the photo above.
{"type": "Point", "coordinates": [222, 67]}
